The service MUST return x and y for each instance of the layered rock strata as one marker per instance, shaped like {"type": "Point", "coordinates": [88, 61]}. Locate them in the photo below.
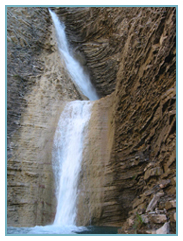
{"type": "Point", "coordinates": [145, 117]}
{"type": "Point", "coordinates": [128, 175]}
{"type": "Point", "coordinates": [144, 102]}
{"type": "Point", "coordinates": [93, 188]}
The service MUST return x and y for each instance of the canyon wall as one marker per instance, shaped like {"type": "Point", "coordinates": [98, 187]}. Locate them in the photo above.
{"type": "Point", "coordinates": [130, 52]}
{"type": "Point", "coordinates": [128, 175]}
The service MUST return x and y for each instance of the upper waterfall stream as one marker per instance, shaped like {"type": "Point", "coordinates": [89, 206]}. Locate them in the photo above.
{"type": "Point", "coordinates": [76, 71]}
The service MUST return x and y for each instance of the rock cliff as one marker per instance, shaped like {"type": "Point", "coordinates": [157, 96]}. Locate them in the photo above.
{"type": "Point", "coordinates": [38, 86]}
{"type": "Point", "coordinates": [128, 175]}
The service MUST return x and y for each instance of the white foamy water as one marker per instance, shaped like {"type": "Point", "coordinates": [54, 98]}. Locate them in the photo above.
{"type": "Point", "coordinates": [78, 76]}
{"type": "Point", "coordinates": [70, 133]}
{"type": "Point", "coordinates": [67, 157]}
{"type": "Point", "coordinates": [49, 229]}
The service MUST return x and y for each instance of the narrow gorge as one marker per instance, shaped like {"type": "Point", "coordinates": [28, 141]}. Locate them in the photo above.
{"type": "Point", "coordinates": [127, 177]}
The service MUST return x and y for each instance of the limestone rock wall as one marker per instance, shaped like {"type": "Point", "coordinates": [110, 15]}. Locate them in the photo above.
{"type": "Point", "coordinates": [144, 151]}
{"type": "Point", "coordinates": [94, 177]}
{"type": "Point", "coordinates": [141, 43]}
{"type": "Point", "coordinates": [38, 87]}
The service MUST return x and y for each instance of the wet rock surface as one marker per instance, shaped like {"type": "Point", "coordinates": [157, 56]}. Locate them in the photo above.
{"type": "Point", "coordinates": [130, 54]}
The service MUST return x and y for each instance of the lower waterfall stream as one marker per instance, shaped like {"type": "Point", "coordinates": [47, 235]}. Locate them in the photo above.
{"type": "Point", "coordinates": [67, 157]}
{"type": "Point", "coordinates": [67, 150]}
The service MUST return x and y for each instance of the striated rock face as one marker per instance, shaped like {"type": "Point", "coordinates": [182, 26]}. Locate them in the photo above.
{"type": "Point", "coordinates": [141, 42]}
{"type": "Point", "coordinates": [93, 198]}
{"type": "Point", "coordinates": [37, 86]}
{"type": "Point", "coordinates": [145, 115]}
{"type": "Point", "coordinates": [95, 33]}
{"type": "Point", "coordinates": [128, 175]}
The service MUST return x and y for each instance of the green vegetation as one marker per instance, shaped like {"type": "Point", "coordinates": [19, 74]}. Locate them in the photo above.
{"type": "Point", "coordinates": [138, 222]}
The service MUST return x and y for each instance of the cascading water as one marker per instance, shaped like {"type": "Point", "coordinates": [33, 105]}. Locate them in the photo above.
{"type": "Point", "coordinates": [81, 79]}
{"type": "Point", "coordinates": [68, 141]}
{"type": "Point", "coordinates": [67, 157]}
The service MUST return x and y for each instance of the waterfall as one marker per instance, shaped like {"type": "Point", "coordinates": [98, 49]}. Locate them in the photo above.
{"type": "Point", "coordinates": [70, 134]}
{"type": "Point", "coordinates": [78, 76]}
{"type": "Point", "coordinates": [67, 157]}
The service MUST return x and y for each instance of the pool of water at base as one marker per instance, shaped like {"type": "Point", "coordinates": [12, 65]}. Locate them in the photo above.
{"type": "Point", "coordinates": [55, 230]}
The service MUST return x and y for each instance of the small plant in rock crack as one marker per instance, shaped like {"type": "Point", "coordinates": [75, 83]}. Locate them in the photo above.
{"type": "Point", "coordinates": [138, 222]}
